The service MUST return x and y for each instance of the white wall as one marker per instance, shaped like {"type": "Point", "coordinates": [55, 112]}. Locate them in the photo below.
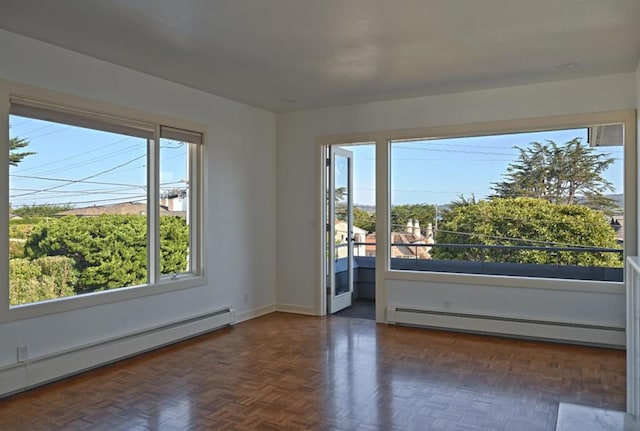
{"type": "Point", "coordinates": [297, 207]}
{"type": "Point", "coordinates": [240, 198]}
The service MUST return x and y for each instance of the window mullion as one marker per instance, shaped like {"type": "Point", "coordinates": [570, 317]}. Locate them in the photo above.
{"type": "Point", "coordinates": [153, 207]}
{"type": "Point", "coordinates": [193, 205]}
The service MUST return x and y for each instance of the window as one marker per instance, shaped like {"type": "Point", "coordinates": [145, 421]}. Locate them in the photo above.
{"type": "Point", "coordinates": [540, 203]}
{"type": "Point", "coordinates": [98, 203]}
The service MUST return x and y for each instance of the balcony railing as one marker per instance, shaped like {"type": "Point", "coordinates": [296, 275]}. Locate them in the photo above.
{"type": "Point", "coordinates": [561, 269]}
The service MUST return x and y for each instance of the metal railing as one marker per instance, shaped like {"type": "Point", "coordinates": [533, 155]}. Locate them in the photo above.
{"type": "Point", "coordinates": [484, 248]}
{"type": "Point", "coordinates": [357, 246]}
{"type": "Point", "coordinates": [563, 266]}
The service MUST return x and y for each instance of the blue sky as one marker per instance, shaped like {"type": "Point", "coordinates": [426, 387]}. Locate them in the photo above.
{"type": "Point", "coordinates": [438, 171]}
{"type": "Point", "coordinates": [84, 167]}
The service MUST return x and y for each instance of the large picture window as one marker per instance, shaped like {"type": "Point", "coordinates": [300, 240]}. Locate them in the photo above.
{"type": "Point", "coordinates": [545, 203]}
{"type": "Point", "coordinates": [98, 202]}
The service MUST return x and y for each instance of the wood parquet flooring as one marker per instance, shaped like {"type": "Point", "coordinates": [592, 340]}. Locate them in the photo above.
{"type": "Point", "coordinates": [291, 372]}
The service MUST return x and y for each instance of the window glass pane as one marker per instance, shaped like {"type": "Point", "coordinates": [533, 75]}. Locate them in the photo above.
{"type": "Point", "coordinates": [78, 210]}
{"type": "Point", "coordinates": [174, 207]}
{"type": "Point", "coordinates": [538, 204]}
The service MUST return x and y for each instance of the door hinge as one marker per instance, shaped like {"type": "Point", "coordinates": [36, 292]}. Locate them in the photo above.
{"type": "Point", "coordinates": [328, 227]}
{"type": "Point", "coordinates": [328, 163]}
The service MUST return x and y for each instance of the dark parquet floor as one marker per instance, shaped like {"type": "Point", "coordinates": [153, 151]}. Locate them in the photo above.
{"type": "Point", "coordinates": [290, 372]}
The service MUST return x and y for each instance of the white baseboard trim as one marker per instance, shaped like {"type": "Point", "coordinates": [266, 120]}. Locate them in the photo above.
{"type": "Point", "coordinates": [296, 309]}
{"type": "Point", "coordinates": [38, 371]}
{"type": "Point", "coordinates": [565, 332]}
{"type": "Point", "coordinates": [257, 312]}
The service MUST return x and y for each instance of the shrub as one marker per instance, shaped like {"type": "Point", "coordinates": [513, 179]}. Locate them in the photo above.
{"type": "Point", "coordinates": [527, 221]}
{"type": "Point", "coordinates": [48, 277]}
{"type": "Point", "coordinates": [110, 251]}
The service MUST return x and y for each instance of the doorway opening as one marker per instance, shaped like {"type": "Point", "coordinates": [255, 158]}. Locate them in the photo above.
{"type": "Point", "coordinates": [349, 244]}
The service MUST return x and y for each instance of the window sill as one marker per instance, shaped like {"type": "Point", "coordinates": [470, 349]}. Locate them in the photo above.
{"type": "Point", "coordinates": [37, 309]}
{"type": "Point", "coordinates": [508, 281]}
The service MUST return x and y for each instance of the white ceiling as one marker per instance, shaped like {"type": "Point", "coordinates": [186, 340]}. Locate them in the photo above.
{"type": "Point", "coordinates": [291, 54]}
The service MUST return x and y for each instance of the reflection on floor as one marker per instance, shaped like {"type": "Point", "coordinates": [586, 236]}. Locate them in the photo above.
{"type": "Point", "coordinates": [572, 417]}
{"type": "Point", "coordinates": [295, 372]}
{"type": "Point", "coordinates": [360, 309]}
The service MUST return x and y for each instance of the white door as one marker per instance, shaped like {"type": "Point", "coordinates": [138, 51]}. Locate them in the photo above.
{"type": "Point", "coordinates": [340, 229]}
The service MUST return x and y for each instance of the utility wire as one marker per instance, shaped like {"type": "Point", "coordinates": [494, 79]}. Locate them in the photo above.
{"type": "Point", "coordinates": [86, 178]}
{"type": "Point", "coordinates": [66, 159]}
{"type": "Point", "coordinates": [75, 181]}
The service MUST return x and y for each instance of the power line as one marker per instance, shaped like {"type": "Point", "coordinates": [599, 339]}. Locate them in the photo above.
{"type": "Point", "coordinates": [66, 159]}
{"type": "Point", "coordinates": [19, 123]}
{"type": "Point", "coordinates": [86, 178]}
{"type": "Point", "coordinates": [90, 182]}
{"type": "Point", "coordinates": [50, 133]}
{"type": "Point", "coordinates": [76, 181]}
{"type": "Point", "coordinates": [87, 191]}
{"type": "Point", "coordinates": [39, 128]}
{"type": "Point", "coordinates": [133, 198]}
{"type": "Point", "coordinates": [89, 161]}
{"type": "Point", "coordinates": [458, 151]}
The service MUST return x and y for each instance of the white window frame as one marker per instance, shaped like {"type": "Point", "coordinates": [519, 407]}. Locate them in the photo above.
{"type": "Point", "coordinates": [383, 140]}
{"type": "Point", "coordinates": [157, 284]}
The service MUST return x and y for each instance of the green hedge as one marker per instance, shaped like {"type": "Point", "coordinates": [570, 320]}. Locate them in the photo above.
{"type": "Point", "coordinates": [47, 277]}
{"type": "Point", "coordinates": [109, 251]}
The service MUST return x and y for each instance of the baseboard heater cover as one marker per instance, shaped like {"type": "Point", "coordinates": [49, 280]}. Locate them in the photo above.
{"type": "Point", "coordinates": [509, 326]}
{"type": "Point", "coordinates": [45, 369]}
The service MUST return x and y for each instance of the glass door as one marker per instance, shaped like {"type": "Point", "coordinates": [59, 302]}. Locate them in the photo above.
{"type": "Point", "coordinates": [340, 229]}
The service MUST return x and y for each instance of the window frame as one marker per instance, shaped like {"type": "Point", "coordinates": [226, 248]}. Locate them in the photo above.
{"type": "Point", "coordinates": [156, 284]}
{"type": "Point", "coordinates": [383, 141]}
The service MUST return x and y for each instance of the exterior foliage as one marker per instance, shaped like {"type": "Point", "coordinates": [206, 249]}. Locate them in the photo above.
{"type": "Point", "coordinates": [400, 214]}
{"type": "Point", "coordinates": [174, 245]}
{"type": "Point", "coordinates": [18, 233]}
{"type": "Point", "coordinates": [48, 277]}
{"type": "Point", "coordinates": [43, 210]}
{"type": "Point", "coordinates": [570, 173]}
{"type": "Point", "coordinates": [364, 219]}
{"type": "Point", "coordinates": [109, 251]}
{"type": "Point", "coordinates": [527, 222]}
{"type": "Point", "coordinates": [16, 156]}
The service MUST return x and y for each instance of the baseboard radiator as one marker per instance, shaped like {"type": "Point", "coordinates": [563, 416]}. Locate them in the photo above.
{"type": "Point", "coordinates": [41, 370]}
{"type": "Point", "coordinates": [509, 326]}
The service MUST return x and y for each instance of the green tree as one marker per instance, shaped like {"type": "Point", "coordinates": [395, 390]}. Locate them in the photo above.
{"type": "Point", "coordinates": [364, 219]}
{"type": "Point", "coordinates": [16, 156]}
{"type": "Point", "coordinates": [400, 214]}
{"type": "Point", "coordinates": [570, 173]}
{"type": "Point", "coordinates": [527, 221]}
{"type": "Point", "coordinates": [109, 251]}
{"type": "Point", "coordinates": [40, 210]}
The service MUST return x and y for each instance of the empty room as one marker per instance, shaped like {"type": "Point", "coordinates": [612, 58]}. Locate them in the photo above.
{"type": "Point", "coordinates": [319, 215]}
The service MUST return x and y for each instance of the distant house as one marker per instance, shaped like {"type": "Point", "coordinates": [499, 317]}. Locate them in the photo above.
{"type": "Point", "coordinates": [410, 244]}
{"type": "Point", "coordinates": [359, 236]}
{"type": "Point", "coordinates": [125, 208]}
{"type": "Point", "coordinates": [617, 223]}
{"type": "Point", "coordinates": [175, 200]}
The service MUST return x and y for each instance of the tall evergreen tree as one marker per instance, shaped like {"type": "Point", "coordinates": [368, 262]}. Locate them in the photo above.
{"type": "Point", "coordinates": [569, 173]}
{"type": "Point", "coordinates": [16, 156]}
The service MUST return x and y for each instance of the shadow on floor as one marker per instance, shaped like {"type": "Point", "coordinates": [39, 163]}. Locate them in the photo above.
{"type": "Point", "coordinates": [360, 309]}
